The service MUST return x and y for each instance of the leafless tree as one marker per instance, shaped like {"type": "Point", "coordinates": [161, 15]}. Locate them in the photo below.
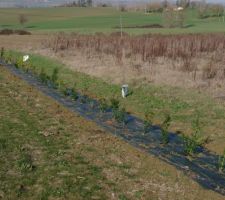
{"type": "Point", "coordinates": [22, 19]}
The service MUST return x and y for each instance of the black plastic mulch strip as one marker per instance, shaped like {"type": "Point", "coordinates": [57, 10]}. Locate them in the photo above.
{"type": "Point", "coordinates": [203, 168]}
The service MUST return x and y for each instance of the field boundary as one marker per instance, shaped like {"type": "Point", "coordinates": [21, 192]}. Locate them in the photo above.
{"type": "Point", "coordinates": [202, 169]}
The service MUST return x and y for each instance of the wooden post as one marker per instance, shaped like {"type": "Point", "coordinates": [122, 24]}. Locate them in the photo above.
{"type": "Point", "coordinates": [121, 27]}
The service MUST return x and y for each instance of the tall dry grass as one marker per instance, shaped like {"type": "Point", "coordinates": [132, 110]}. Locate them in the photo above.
{"type": "Point", "coordinates": [183, 48]}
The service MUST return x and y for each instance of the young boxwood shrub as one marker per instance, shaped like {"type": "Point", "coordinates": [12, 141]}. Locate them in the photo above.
{"type": "Point", "coordinates": [2, 52]}
{"type": "Point", "coordinates": [195, 140]}
{"type": "Point", "coordinates": [67, 91]}
{"type": "Point", "coordinates": [103, 106]}
{"type": "Point", "coordinates": [55, 75]}
{"type": "Point", "coordinates": [43, 76]}
{"type": "Point", "coordinates": [165, 129]}
{"type": "Point", "coordinates": [221, 162]}
{"type": "Point", "coordinates": [119, 115]}
{"type": "Point", "coordinates": [191, 143]}
{"type": "Point", "coordinates": [8, 58]}
{"type": "Point", "coordinates": [148, 121]}
{"type": "Point", "coordinates": [19, 63]}
{"type": "Point", "coordinates": [115, 104]}
{"type": "Point", "coordinates": [74, 94]}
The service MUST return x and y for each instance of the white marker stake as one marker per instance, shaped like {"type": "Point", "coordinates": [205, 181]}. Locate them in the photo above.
{"type": "Point", "coordinates": [124, 91]}
{"type": "Point", "coordinates": [26, 58]}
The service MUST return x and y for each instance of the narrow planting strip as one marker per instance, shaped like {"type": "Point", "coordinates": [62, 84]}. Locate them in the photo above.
{"type": "Point", "coordinates": [202, 168]}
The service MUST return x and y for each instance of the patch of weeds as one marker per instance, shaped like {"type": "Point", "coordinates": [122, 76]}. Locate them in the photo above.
{"type": "Point", "coordinates": [95, 171]}
{"type": "Point", "coordinates": [221, 162]}
{"type": "Point", "coordinates": [84, 87]}
{"type": "Point", "coordinates": [138, 194]}
{"type": "Point", "coordinates": [2, 52]}
{"type": "Point", "coordinates": [81, 160]}
{"type": "Point", "coordinates": [62, 163]}
{"type": "Point", "coordinates": [165, 128]}
{"type": "Point", "coordinates": [55, 75]}
{"type": "Point", "coordinates": [20, 190]}
{"type": "Point", "coordinates": [44, 195]}
{"type": "Point", "coordinates": [74, 94]}
{"type": "Point", "coordinates": [3, 144]}
{"type": "Point", "coordinates": [19, 63]}
{"type": "Point", "coordinates": [25, 163]}
{"type": "Point", "coordinates": [115, 104]}
{"type": "Point", "coordinates": [123, 166]}
{"type": "Point", "coordinates": [195, 140]}
{"type": "Point", "coordinates": [148, 121]}
{"type": "Point", "coordinates": [119, 115]}
{"type": "Point", "coordinates": [66, 92]}
{"type": "Point", "coordinates": [43, 76]}
{"type": "Point", "coordinates": [122, 197]}
{"type": "Point", "coordinates": [103, 106]}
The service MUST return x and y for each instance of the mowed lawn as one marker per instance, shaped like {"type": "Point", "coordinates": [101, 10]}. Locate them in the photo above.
{"type": "Point", "coordinates": [47, 152]}
{"type": "Point", "coordinates": [91, 20]}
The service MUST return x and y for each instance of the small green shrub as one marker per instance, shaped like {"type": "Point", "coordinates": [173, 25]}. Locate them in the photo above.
{"type": "Point", "coordinates": [8, 58]}
{"type": "Point", "coordinates": [148, 121]}
{"type": "Point", "coordinates": [55, 75]}
{"type": "Point", "coordinates": [103, 106]}
{"type": "Point", "coordinates": [195, 140]}
{"type": "Point", "coordinates": [67, 91]}
{"type": "Point", "coordinates": [191, 143]}
{"type": "Point", "coordinates": [43, 76]}
{"type": "Point", "coordinates": [2, 52]}
{"type": "Point", "coordinates": [19, 63]}
{"type": "Point", "coordinates": [165, 126]}
{"type": "Point", "coordinates": [74, 94]}
{"type": "Point", "coordinates": [221, 162]}
{"type": "Point", "coordinates": [115, 104]}
{"type": "Point", "coordinates": [119, 115]}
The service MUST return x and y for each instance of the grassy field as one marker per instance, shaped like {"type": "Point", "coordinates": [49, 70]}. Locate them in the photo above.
{"type": "Point", "coordinates": [91, 20]}
{"type": "Point", "coordinates": [182, 104]}
{"type": "Point", "coordinates": [46, 152]}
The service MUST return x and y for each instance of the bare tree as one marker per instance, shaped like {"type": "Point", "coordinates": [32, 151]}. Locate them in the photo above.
{"type": "Point", "coordinates": [22, 19]}
{"type": "Point", "coordinates": [168, 18]}
{"type": "Point", "coordinates": [173, 18]}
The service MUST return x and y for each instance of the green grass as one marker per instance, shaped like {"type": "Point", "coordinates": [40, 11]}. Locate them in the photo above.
{"type": "Point", "coordinates": [181, 104]}
{"type": "Point", "coordinates": [31, 161]}
{"type": "Point", "coordinates": [91, 20]}
{"type": "Point", "coordinates": [47, 152]}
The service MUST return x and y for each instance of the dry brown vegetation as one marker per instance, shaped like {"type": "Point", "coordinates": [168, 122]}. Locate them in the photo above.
{"type": "Point", "coordinates": [185, 61]}
{"type": "Point", "coordinates": [197, 58]}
